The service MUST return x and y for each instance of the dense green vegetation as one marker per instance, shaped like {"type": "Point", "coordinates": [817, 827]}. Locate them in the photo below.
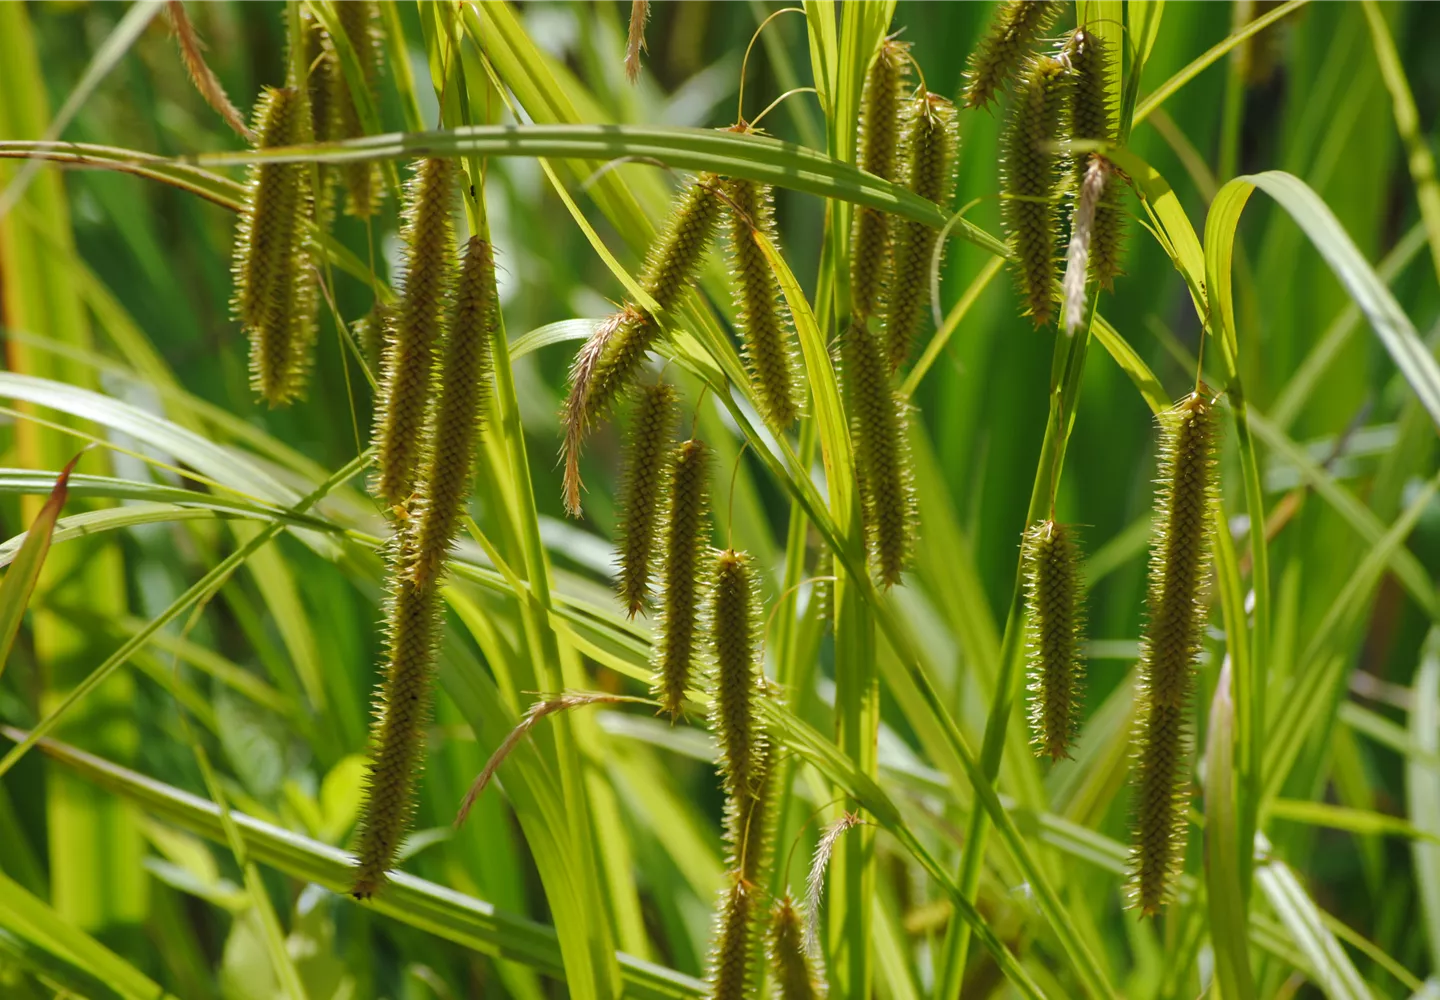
{"type": "Point", "coordinates": [187, 699]}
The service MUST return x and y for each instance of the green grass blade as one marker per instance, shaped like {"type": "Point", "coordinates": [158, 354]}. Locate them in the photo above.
{"type": "Point", "coordinates": [1303, 920]}
{"type": "Point", "coordinates": [25, 565]}
{"type": "Point", "coordinates": [1423, 791]}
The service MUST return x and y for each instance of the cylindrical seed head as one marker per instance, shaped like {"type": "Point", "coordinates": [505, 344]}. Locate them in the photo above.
{"type": "Point", "coordinates": [680, 247]}
{"type": "Point", "coordinates": [1171, 644]}
{"type": "Point", "coordinates": [766, 331]}
{"type": "Point", "coordinates": [686, 534]}
{"type": "Point", "coordinates": [733, 621]}
{"type": "Point", "coordinates": [643, 493]}
{"type": "Point", "coordinates": [1017, 23]}
{"type": "Point", "coordinates": [879, 140]}
{"type": "Point", "coordinates": [1092, 117]}
{"type": "Point", "coordinates": [358, 19]}
{"type": "Point", "coordinates": [1032, 182]}
{"type": "Point", "coordinates": [1056, 623]}
{"type": "Point", "coordinates": [407, 367]}
{"type": "Point", "coordinates": [795, 977]}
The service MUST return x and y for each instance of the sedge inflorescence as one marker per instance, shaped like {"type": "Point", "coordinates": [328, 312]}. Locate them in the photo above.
{"type": "Point", "coordinates": [683, 579]}
{"type": "Point", "coordinates": [1170, 645]}
{"type": "Point", "coordinates": [643, 493]}
{"type": "Point", "coordinates": [1017, 24]}
{"type": "Point", "coordinates": [1031, 174]}
{"type": "Point", "coordinates": [1055, 614]}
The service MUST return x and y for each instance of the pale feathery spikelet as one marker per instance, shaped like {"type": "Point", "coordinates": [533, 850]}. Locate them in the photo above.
{"type": "Point", "coordinates": [275, 293]}
{"type": "Point", "coordinates": [733, 619]}
{"type": "Point", "coordinates": [878, 418]}
{"type": "Point", "coordinates": [635, 40]}
{"type": "Point", "coordinates": [791, 967]}
{"type": "Point", "coordinates": [397, 740]}
{"type": "Point", "coordinates": [1082, 232]}
{"type": "Point", "coordinates": [643, 492]}
{"type": "Point", "coordinates": [1056, 620]}
{"type": "Point", "coordinates": [407, 366]}
{"type": "Point", "coordinates": [765, 327]}
{"type": "Point", "coordinates": [1092, 119]}
{"type": "Point", "coordinates": [879, 141]}
{"type": "Point", "coordinates": [1032, 182]}
{"type": "Point", "coordinates": [1016, 25]}
{"type": "Point", "coordinates": [454, 430]}
{"type": "Point", "coordinates": [815, 878]}
{"type": "Point", "coordinates": [192, 52]}
{"type": "Point", "coordinates": [1170, 646]}
{"type": "Point", "coordinates": [358, 20]}
{"type": "Point", "coordinates": [682, 571]}
{"type": "Point", "coordinates": [928, 157]}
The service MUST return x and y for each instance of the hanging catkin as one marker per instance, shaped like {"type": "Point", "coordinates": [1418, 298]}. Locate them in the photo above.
{"type": "Point", "coordinates": [274, 273]}
{"type": "Point", "coordinates": [358, 20]}
{"type": "Point", "coordinates": [1092, 118]}
{"type": "Point", "coordinates": [739, 937]}
{"type": "Point", "coordinates": [1056, 621]}
{"type": "Point", "coordinates": [643, 493]}
{"type": "Point", "coordinates": [1031, 209]}
{"type": "Point", "coordinates": [1017, 23]}
{"type": "Point", "coordinates": [455, 426]}
{"type": "Point", "coordinates": [1170, 645]}
{"type": "Point", "coordinates": [928, 155]}
{"type": "Point", "coordinates": [733, 621]}
{"type": "Point", "coordinates": [682, 572]}
{"type": "Point", "coordinates": [877, 426]}
{"type": "Point", "coordinates": [765, 328]}
{"type": "Point", "coordinates": [790, 964]}
{"type": "Point", "coordinates": [879, 138]}
{"type": "Point", "coordinates": [397, 741]}
{"type": "Point", "coordinates": [406, 369]}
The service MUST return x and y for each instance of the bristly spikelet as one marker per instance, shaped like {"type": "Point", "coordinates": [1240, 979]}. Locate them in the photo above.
{"type": "Point", "coordinates": [733, 621]}
{"type": "Point", "coordinates": [729, 964]}
{"type": "Point", "coordinates": [642, 493]}
{"type": "Point", "coordinates": [679, 248]}
{"type": "Point", "coordinates": [682, 570]}
{"type": "Point", "coordinates": [1170, 645]}
{"type": "Point", "coordinates": [878, 417]}
{"type": "Point", "coordinates": [1016, 25]}
{"type": "Point", "coordinates": [1031, 209]}
{"type": "Point", "coordinates": [358, 20]}
{"type": "Point", "coordinates": [274, 277]}
{"type": "Point", "coordinates": [928, 156]}
{"type": "Point", "coordinates": [738, 950]}
{"type": "Point", "coordinates": [1056, 623]}
{"type": "Point", "coordinates": [406, 368]}
{"type": "Point", "coordinates": [402, 711]}
{"type": "Point", "coordinates": [764, 325]}
{"type": "Point", "coordinates": [1092, 118]}
{"type": "Point", "coordinates": [455, 427]}
{"type": "Point", "coordinates": [795, 979]}
{"type": "Point", "coordinates": [879, 135]}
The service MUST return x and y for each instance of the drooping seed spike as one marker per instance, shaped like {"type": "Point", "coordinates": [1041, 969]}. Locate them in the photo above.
{"type": "Point", "coordinates": [1170, 646]}
{"type": "Point", "coordinates": [369, 333]}
{"type": "Point", "coordinates": [1056, 624]}
{"type": "Point", "coordinates": [878, 418]}
{"type": "Point", "coordinates": [733, 621]}
{"type": "Point", "coordinates": [729, 964]}
{"type": "Point", "coordinates": [406, 370]}
{"type": "Point", "coordinates": [879, 140]}
{"type": "Point", "coordinates": [1016, 25]}
{"type": "Point", "coordinates": [358, 20]}
{"type": "Point", "coordinates": [1092, 118]}
{"type": "Point", "coordinates": [679, 248]}
{"type": "Point", "coordinates": [765, 327]}
{"type": "Point", "coordinates": [610, 359]}
{"type": "Point", "coordinates": [1032, 183]}
{"type": "Point", "coordinates": [635, 39]}
{"type": "Point", "coordinates": [928, 156]}
{"type": "Point", "coordinates": [275, 298]}
{"type": "Point", "coordinates": [454, 431]}
{"type": "Point", "coordinates": [794, 975]}
{"type": "Point", "coordinates": [402, 712]}
{"type": "Point", "coordinates": [738, 952]}
{"type": "Point", "coordinates": [750, 820]}
{"type": "Point", "coordinates": [643, 493]}
{"type": "Point", "coordinates": [682, 573]}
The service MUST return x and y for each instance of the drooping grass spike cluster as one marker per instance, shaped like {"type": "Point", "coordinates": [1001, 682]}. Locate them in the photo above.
{"type": "Point", "coordinates": [1170, 645]}
{"type": "Point", "coordinates": [1017, 24]}
{"type": "Point", "coordinates": [451, 363]}
{"type": "Point", "coordinates": [878, 418]}
{"type": "Point", "coordinates": [275, 278]}
{"type": "Point", "coordinates": [686, 536]}
{"type": "Point", "coordinates": [610, 361]}
{"type": "Point", "coordinates": [1055, 611]}
{"type": "Point", "coordinates": [790, 964]}
{"type": "Point", "coordinates": [880, 115]}
{"type": "Point", "coordinates": [414, 330]}
{"type": "Point", "coordinates": [1032, 182]}
{"type": "Point", "coordinates": [765, 328]}
{"type": "Point", "coordinates": [734, 623]}
{"type": "Point", "coordinates": [643, 492]}
{"type": "Point", "coordinates": [929, 147]}
{"type": "Point", "coordinates": [1092, 118]}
